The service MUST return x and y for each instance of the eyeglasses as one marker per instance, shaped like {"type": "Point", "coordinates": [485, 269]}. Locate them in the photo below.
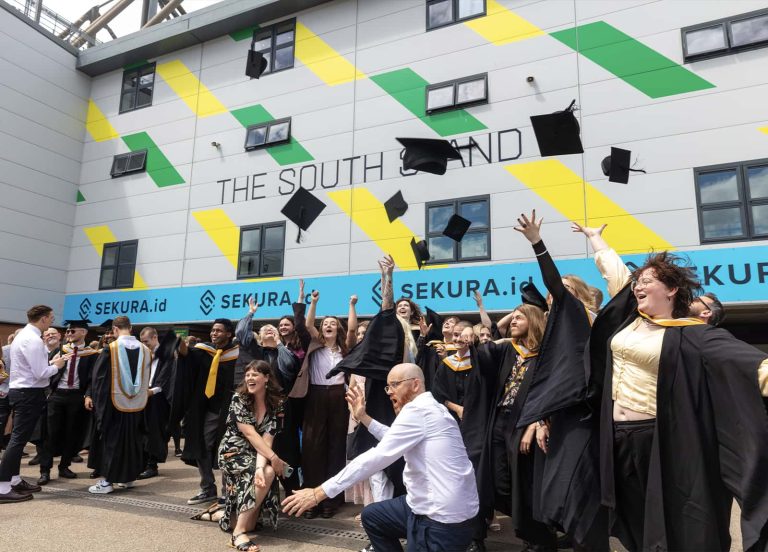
{"type": "Point", "coordinates": [703, 302]}
{"type": "Point", "coordinates": [70, 331]}
{"type": "Point", "coordinates": [391, 387]}
{"type": "Point", "coordinates": [643, 281]}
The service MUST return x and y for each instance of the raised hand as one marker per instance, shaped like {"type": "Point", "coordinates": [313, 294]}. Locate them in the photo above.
{"type": "Point", "coordinates": [423, 327]}
{"type": "Point", "coordinates": [252, 305]}
{"type": "Point", "coordinates": [387, 265]}
{"type": "Point", "coordinates": [586, 230]}
{"type": "Point", "coordinates": [356, 399]}
{"type": "Point", "coordinates": [353, 300]}
{"type": "Point", "coordinates": [531, 229]}
{"type": "Point", "coordinates": [301, 291]}
{"type": "Point", "coordinates": [478, 298]}
{"type": "Point", "coordinates": [315, 295]}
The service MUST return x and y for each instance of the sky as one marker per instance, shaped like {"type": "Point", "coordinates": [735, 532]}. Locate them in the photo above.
{"type": "Point", "coordinates": [127, 22]}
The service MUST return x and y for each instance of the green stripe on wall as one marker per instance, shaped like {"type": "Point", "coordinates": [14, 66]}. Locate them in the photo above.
{"type": "Point", "coordinates": [633, 62]}
{"type": "Point", "coordinates": [284, 154]}
{"type": "Point", "coordinates": [244, 34]}
{"type": "Point", "coordinates": [158, 166]}
{"type": "Point", "coordinates": [80, 197]}
{"type": "Point", "coordinates": [407, 87]}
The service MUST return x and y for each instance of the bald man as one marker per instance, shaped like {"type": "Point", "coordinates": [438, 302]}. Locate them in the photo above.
{"type": "Point", "coordinates": [441, 501]}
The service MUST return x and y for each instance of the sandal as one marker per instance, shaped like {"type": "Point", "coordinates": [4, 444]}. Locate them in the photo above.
{"type": "Point", "coordinates": [247, 546]}
{"type": "Point", "coordinates": [207, 514]}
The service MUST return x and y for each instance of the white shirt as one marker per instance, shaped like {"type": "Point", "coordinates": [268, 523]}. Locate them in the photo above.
{"type": "Point", "coordinates": [438, 476]}
{"type": "Point", "coordinates": [323, 361]}
{"type": "Point", "coordinates": [29, 358]}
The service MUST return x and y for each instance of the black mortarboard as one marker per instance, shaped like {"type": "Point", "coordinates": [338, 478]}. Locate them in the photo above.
{"type": "Point", "coordinates": [420, 251]}
{"type": "Point", "coordinates": [106, 325]}
{"type": "Point", "coordinates": [436, 331]}
{"type": "Point", "coordinates": [395, 206]}
{"type": "Point", "coordinates": [456, 228]}
{"type": "Point", "coordinates": [302, 210]}
{"type": "Point", "coordinates": [427, 154]}
{"type": "Point", "coordinates": [557, 133]}
{"type": "Point", "coordinates": [256, 65]}
{"type": "Point", "coordinates": [72, 324]}
{"type": "Point", "coordinates": [532, 296]}
{"type": "Point", "coordinates": [617, 166]}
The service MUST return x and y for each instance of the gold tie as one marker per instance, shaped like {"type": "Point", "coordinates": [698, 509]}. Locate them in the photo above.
{"type": "Point", "coordinates": [210, 385]}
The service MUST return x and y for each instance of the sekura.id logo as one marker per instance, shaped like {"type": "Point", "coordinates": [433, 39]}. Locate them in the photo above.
{"type": "Point", "coordinates": [85, 308]}
{"type": "Point", "coordinates": [376, 293]}
{"type": "Point", "coordinates": [207, 301]}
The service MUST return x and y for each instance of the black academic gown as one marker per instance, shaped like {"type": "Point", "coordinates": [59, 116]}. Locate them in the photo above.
{"type": "Point", "coordinates": [380, 350]}
{"type": "Point", "coordinates": [120, 442]}
{"type": "Point", "coordinates": [158, 410]}
{"type": "Point", "coordinates": [711, 436]}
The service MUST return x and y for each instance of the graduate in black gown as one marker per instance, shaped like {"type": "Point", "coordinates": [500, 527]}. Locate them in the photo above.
{"type": "Point", "coordinates": [672, 464]}
{"type": "Point", "coordinates": [452, 375]}
{"type": "Point", "coordinates": [434, 343]}
{"type": "Point", "coordinates": [119, 392]}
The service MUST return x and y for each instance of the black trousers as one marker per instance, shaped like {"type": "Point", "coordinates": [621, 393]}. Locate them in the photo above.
{"type": "Point", "coordinates": [5, 413]}
{"type": "Point", "coordinates": [324, 441]}
{"type": "Point", "coordinates": [27, 405]}
{"type": "Point", "coordinates": [66, 418]}
{"type": "Point", "coordinates": [212, 438]}
{"type": "Point", "coordinates": [631, 458]}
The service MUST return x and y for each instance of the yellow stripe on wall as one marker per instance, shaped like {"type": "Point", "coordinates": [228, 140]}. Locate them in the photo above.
{"type": "Point", "coordinates": [189, 88]}
{"type": "Point", "coordinates": [365, 210]}
{"type": "Point", "coordinates": [502, 26]}
{"type": "Point", "coordinates": [98, 236]}
{"type": "Point", "coordinates": [222, 230]}
{"type": "Point", "coordinates": [567, 192]}
{"type": "Point", "coordinates": [322, 60]}
{"type": "Point", "coordinates": [763, 129]}
{"type": "Point", "coordinates": [97, 124]}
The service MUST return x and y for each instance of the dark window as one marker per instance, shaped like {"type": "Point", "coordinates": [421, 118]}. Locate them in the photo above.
{"type": "Point", "coordinates": [447, 12]}
{"type": "Point", "coordinates": [268, 134]}
{"type": "Point", "coordinates": [733, 201]}
{"type": "Point", "coordinates": [476, 245]}
{"type": "Point", "coordinates": [726, 36]}
{"type": "Point", "coordinates": [137, 88]}
{"type": "Point", "coordinates": [262, 248]}
{"type": "Point", "coordinates": [276, 42]}
{"type": "Point", "coordinates": [126, 163]}
{"type": "Point", "coordinates": [457, 93]}
{"type": "Point", "coordinates": [118, 265]}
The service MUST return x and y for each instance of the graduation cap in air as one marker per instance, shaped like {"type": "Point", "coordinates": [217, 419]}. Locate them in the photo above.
{"type": "Point", "coordinates": [456, 228]}
{"type": "Point", "coordinates": [395, 206]}
{"type": "Point", "coordinates": [420, 251]}
{"type": "Point", "coordinates": [617, 166]}
{"type": "Point", "coordinates": [557, 133]}
{"type": "Point", "coordinates": [256, 65]}
{"type": "Point", "coordinates": [427, 154]}
{"type": "Point", "coordinates": [532, 296]}
{"type": "Point", "coordinates": [73, 324]}
{"type": "Point", "coordinates": [302, 210]}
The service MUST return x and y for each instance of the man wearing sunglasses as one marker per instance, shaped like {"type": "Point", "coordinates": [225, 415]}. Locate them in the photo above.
{"type": "Point", "coordinates": [438, 510]}
{"type": "Point", "coordinates": [708, 308]}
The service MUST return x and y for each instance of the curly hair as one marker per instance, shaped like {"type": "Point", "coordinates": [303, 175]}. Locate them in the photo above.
{"type": "Point", "coordinates": [415, 310]}
{"type": "Point", "coordinates": [674, 272]}
{"type": "Point", "coordinates": [537, 322]}
{"type": "Point", "coordinates": [273, 396]}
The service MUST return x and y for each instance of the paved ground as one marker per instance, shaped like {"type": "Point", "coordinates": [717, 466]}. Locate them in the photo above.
{"type": "Point", "coordinates": [154, 517]}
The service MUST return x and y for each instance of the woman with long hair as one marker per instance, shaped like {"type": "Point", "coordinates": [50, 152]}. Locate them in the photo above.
{"type": "Point", "coordinates": [324, 434]}
{"type": "Point", "coordinates": [249, 477]}
{"type": "Point", "coordinates": [683, 428]}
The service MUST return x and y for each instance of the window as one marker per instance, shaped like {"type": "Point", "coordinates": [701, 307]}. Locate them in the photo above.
{"type": "Point", "coordinates": [476, 245]}
{"type": "Point", "coordinates": [261, 250]}
{"type": "Point", "coordinates": [447, 12]}
{"type": "Point", "coordinates": [127, 163]}
{"type": "Point", "coordinates": [726, 36]}
{"type": "Point", "coordinates": [276, 43]}
{"type": "Point", "coordinates": [457, 93]}
{"type": "Point", "coordinates": [268, 134]}
{"type": "Point", "coordinates": [733, 201]}
{"type": "Point", "coordinates": [137, 88]}
{"type": "Point", "coordinates": [118, 265]}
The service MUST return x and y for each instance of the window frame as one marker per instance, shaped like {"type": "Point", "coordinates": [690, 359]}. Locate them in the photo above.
{"type": "Point", "coordinates": [273, 46]}
{"type": "Point", "coordinates": [140, 71]}
{"type": "Point", "coordinates": [262, 227]}
{"type": "Point", "coordinates": [119, 245]}
{"type": "Point", "coordinates": [455, 20]}
{"type": "Point", "coordinates": [267, 125]}
{"type": "Point", "coordinates": [725, 23]}
{"type": "Point", "coordinates": [128, 156]}
{"type": "Point", "coordinates": [456, 203]}
{"type": "Point", "coordinates": [455, 83]}
{"type": "Point", "coordinates": [744, 203]}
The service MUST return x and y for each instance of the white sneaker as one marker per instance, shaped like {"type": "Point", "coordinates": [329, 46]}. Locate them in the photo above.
{"type": "Point", "coordinates": [128, 485]}
{"type": "Point", "coordinates": [102, 487]}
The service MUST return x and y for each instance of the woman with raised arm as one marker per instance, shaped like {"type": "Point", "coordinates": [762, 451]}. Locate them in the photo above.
{"type": "Point", "coordinates": [683, 429]}
{"type": "Point", "coordinates": [567, 490]}
{"type": "Point", "coordinates": [324, 435]}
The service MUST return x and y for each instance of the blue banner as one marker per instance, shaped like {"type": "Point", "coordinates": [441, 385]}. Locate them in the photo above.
{"type": "Point", "coordinates": [734, 274]}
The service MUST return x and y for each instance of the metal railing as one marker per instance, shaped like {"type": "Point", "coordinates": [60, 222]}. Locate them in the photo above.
{"type": "Point", "coordinates": [52, 22]}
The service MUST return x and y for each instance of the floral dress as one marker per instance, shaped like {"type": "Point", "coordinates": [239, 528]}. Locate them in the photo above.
{"type": "Point", "coordinates": [237, 460]}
